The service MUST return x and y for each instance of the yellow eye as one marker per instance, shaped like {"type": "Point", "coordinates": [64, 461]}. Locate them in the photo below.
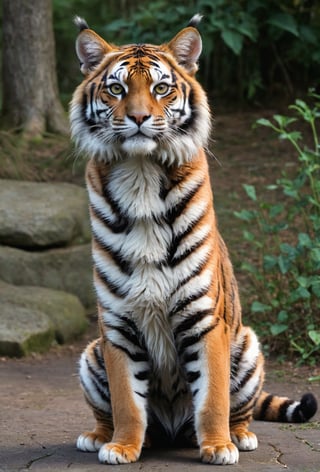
{"type": "Point", "coordinates": [116, 89]}
{"type": "Point", "coordinates": [161, 89]}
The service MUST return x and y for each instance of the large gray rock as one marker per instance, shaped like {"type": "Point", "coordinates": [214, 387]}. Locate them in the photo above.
{"type": "Point", "coordinates": [23, 331]}
{"type": "Point", "coordinates": [36, 314]}
{"type": "Point", "coordinates": [42, 214]}
{"type": "Point", "coordinates": [68, 269]}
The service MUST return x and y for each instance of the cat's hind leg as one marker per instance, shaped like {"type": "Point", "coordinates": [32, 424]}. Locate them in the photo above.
{"type": "Point", "coordinates": [247, 375]}
{"type": "Point", "coordinates": [94, 383]}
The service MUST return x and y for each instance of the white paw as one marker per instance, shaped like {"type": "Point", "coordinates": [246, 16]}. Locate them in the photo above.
{"type": "Point", "coordinates": [88, 442]}
{"type": "Point", "coordinates": [113, 453]}
{"type": "Point", "coordinates": [245, 442]}
{"type": "Point", "coordinates": [220, 455]}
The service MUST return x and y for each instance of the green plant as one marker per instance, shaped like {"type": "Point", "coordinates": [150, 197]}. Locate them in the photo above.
{"type": "Point", "coordinates": [286, 275]}
{"type": "Point", "coordinates": [250, 46]}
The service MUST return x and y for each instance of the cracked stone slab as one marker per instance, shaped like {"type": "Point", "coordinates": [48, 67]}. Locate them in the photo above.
{"type": "Point", "coordinates": [43, 418]}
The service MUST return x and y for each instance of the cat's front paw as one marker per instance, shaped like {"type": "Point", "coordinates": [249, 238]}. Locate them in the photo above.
{"type": "Point", "coordinates": [221, 454]}
{"type": "Point", "coordinates": [244, 440]}
{"type": "Point", "coordinates": [114, 453]}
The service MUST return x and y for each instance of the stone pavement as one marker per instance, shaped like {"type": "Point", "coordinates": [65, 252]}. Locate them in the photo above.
{"type": "Point", "coordinates": [42, 412]}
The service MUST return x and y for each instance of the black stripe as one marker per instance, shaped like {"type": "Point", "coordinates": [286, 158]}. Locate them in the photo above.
{"type": "Point", "coordinates": [192, 376]}
{"type": "Point", "coordinates": [264, 407]}
{"type": "Point", "coordinates": [189, 229]}
{"type": "Point", "coordinates": [190, 357]}
{"type": "Point", "coordinates": [191, 340]}
{"type": "Point", "coordinates": [175, 211]}
{"type": "Point", "coordinates": [237, 415]}
{"type": "Point", "coordinates": [194, 113]}
{"type": "Point", "coordinates": [242, 419]}
{"type": "Point", "coordinates": [116, 208]}
{"type": "Point", "coordinates": [116, 256]}
{"type": "Point", "coordinates": [175, 260]}
{"type": "Point", "coordinates": [245, 402]}
{"type": "Point", "coordinates": [98, 357]}
{"type": "Point", "coordinates": [224, 291]}
{"type": "Point", "coordinates": [136, 356]}
{"type": "Point", "coordinates": [236, 359]}
{"type": "Point", "coordinates": [140, 394]}
{"type": "Point", "coordinates": [101, 385]}
{"type": "Point", "coordinates": [192, 320]}
{"type": "Point", "coordinates": [120, 224]}
{"type": "Point", "coordinates": [186, 301]}
{"type": "Point", "coordinates": [143, 375]}
{"type": "Point", "coordinates": [196, 271]}
{"type": "Point", "coordinates": [246, 378]}
{"type": "Point", "coordinates": [282, 413]}
{"type": "Point", "coordinates": [128, 334]}
{"type": "Point", "coordinates": [112, 286]}
{"type": "Point", "coordinates": [93, 126]}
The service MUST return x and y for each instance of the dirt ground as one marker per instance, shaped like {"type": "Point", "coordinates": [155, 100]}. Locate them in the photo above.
{"type": "Point", "coordinates": [42, 410]}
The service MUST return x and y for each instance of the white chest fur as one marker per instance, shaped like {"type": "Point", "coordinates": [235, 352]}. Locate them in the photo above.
{"type": "Point", "coordinates": [135, 186]}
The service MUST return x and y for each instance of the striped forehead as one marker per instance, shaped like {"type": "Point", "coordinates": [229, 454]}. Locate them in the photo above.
{"type": "Point", "coordinates": [139, 62]}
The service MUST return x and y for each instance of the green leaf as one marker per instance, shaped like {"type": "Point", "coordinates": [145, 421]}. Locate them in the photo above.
{"type": "Point", "coordinates": [233, 39]}
{"type": "Point", "coordinates": [245, 215]}
{"type": "Point", "coordinates": [284, 121]}
{"type": "Point", "coordinates": [315, 378]}
{"type": "Point", "coordinates": [300, 293]}
{"type": "Point", "coordinates": [315, 337]}
{"type": "Point", "coordinates": [258, 307]}
{"type": "Point", "coordinates": [269, 262]}
{"type": "Point", "coordinates": [249, 236]}
{"type": "Point", "coordinates": [284, 22]}
{"type": "Point", "coordinates": [304, 240]}
{"type": "Point", "coordinates": [303, 281]}
{"type": "Point", "coordinates": [276, 329]}
{"type": "Point", "coordinates": [284, 264]}
{"type": "Point", "coordinates": [275, 210]}
{"type": "Point", "coordinates": [315, 254]}
{"type": "Point", "coordinates": [250, 191]}
{"type": "Point", "coordinates": [249, 268]}
{"type": "Point", "coordinates": [315, 288]}
{"type": "Point", "coordinates": [264, 122]}
{"type": "Point", "coordinates": [282, 316]}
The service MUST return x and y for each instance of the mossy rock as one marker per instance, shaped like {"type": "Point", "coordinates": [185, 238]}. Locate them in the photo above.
{"type": "Point", "coordinates": [31, 318]}
{"type": "Point", "coordinates": [23, 331]}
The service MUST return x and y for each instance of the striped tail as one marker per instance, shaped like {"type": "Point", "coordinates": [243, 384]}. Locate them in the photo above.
{"type": "Point", "coordinates": [273, 408]}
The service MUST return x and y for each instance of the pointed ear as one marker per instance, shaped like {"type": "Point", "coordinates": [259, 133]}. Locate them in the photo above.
{"type": "Point", "coordinates": [90, 48]}
{"type": "Point", "coordinates": [186, 47]}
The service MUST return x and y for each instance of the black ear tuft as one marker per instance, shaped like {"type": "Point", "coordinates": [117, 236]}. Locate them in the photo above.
{"type": "Point", "coordinates": [195, 20]}
{"type": "Point", "coordinates": [80, 23]}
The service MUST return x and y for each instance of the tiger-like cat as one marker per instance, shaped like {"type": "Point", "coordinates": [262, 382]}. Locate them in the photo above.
{"type": "Point", "coordinates": [173, 360]}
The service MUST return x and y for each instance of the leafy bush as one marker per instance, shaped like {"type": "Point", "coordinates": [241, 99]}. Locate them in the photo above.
{"type": "Point", "coordinates": [286, 275]}
{"type": "Point", "coordinates": [251, 47]}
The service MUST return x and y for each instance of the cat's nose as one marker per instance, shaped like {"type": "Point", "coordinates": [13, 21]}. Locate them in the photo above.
{"type": "Point", "coordinates": [138, 118]}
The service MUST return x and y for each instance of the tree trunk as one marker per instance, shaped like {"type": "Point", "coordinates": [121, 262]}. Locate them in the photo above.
{"type": "Point", "coordinates": [30, 92]}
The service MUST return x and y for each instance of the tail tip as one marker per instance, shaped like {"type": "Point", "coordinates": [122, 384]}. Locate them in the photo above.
{"type": "Point", "coordinates": [308, 405]}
